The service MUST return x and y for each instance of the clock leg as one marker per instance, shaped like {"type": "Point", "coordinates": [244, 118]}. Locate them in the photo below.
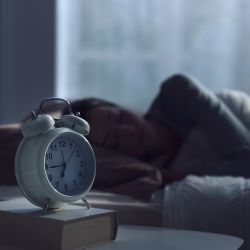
{"type": "Point", "coordinates": [86, 203]}
{"type": "Point", "coordinates": [45, 208]}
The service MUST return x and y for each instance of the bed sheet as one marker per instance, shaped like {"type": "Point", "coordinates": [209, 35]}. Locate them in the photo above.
{"type": "Point", "coordinates": [211, 204]}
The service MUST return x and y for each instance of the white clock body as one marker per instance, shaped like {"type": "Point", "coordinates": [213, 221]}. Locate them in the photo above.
{"type": "Point", "coordinates": [57, 165]}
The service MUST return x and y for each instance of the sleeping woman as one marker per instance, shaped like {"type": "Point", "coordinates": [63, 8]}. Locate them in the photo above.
{"type": "Point", "coordinates": [187, 129]}
{"type": "Point", "coordinates": [184, 112]}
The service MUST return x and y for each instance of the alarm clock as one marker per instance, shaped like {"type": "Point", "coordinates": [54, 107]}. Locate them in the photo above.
{"type": "Point", "coordinates": [54, 162]}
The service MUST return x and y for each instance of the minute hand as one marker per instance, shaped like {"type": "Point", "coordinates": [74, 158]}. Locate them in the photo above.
{"type": "Point", "coordinates": [71, 155]}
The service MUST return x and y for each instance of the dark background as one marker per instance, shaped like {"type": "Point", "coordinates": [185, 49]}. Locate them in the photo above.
{"type": "Point", "coordinates": [27, 53]}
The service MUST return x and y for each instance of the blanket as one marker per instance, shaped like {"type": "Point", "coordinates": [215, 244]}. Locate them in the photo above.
{"type": "Point", "coordinates": [212, 204]}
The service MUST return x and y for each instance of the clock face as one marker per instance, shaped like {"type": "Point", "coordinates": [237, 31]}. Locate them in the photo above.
{"type": "Point", "coordinates": [69, 165]}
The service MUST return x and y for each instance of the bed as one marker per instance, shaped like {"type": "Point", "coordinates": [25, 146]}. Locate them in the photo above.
{"type": "Point", "coordinates": [218, 204]}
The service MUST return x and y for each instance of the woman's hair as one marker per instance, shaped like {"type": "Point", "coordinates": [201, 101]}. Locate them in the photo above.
{"type": "Point", "coordinates": [84, 106]}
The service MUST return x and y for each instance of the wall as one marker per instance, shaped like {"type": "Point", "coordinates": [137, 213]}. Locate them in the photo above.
{"type": "Point", "coordinates": [27, 56]}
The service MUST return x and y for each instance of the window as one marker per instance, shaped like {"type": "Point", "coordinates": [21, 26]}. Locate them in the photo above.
{"type": "Point", "coordinates": [121, 50]}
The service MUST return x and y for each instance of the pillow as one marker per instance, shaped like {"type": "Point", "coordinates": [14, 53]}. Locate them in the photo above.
{"type": "Point", "coordinates": [122, 174]}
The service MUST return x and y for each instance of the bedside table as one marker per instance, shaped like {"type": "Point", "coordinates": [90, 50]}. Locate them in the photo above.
{"type": "Point", "coordinates": [151, 238]}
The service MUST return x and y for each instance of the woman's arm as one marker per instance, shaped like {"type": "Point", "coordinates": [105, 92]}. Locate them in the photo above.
{"type": "Point", "coordinates": [183, 103]}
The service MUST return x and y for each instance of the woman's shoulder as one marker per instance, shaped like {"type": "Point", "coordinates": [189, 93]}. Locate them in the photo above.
{"type": "Point", "coordinates": [238, 102]}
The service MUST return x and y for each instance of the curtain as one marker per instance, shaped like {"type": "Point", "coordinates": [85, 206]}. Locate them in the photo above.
{"type": "Point", "coordinates": [122, 50]}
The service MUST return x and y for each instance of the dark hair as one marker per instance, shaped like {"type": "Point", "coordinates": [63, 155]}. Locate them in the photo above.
{"type": "Point", "coordinates": [84, 106]}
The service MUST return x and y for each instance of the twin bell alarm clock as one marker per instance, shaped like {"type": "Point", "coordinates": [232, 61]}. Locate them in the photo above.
{"type": "Point", "coordinates": [55, 163]}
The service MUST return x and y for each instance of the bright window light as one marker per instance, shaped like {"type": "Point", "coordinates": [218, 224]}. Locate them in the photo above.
{"type": "Point", "coordinates": [122, 50]}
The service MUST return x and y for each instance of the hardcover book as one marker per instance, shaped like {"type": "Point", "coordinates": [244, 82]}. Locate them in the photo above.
{"type": "Point", "coordinates": [71, 227]}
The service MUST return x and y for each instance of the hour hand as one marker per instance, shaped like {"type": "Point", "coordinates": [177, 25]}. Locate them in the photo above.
{"type": "Point", "coordinates": [57, 166]}
{"type": "Point", "coordinates": [64, 167]}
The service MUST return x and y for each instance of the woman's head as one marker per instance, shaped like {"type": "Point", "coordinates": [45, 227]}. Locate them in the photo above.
{"type": "Point", "coordinates": [115, 127]}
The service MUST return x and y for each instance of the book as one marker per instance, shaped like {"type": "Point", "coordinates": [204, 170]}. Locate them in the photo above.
{"type": "Point", "coordinates": [70, 227]}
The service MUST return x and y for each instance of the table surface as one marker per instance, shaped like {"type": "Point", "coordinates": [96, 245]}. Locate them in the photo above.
{"type": "Point", "coordinates": [145, 238]}
{"type": "Point", "coordinates": [151, 238]}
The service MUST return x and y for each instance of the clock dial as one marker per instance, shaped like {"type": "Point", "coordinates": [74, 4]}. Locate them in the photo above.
{"type": "Point", "coordinates": [66, 165]}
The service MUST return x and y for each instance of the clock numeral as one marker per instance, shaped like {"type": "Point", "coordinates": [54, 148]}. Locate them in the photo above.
{"type": "Point", "coordinates": [50, 178]}
{"type": "Point", "coordinates": [71, 145]}
{"type": "Point", "coordinates": [80, 174]}
{"type": "Point", "coordinates": [48, 156]}
{"type": "Point", "coordinates": [62, 144]}
{"type": "Point", "coordinates": [66, 187]}
{"type": "Point", "coordinates": [57, 184]}
{"type": "Point", "coordinates": [53, 147]}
